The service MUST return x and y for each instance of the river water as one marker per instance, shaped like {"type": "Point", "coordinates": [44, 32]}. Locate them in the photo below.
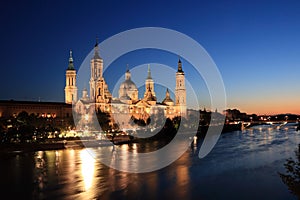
{"type": "Point", "coordinates": [243, 165]}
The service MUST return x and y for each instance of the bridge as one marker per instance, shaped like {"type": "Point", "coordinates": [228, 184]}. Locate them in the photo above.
{"type": "Point", "coordinates": [267, 122]}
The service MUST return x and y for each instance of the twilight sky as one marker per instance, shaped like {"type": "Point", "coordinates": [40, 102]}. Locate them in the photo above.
{"type": "Point", "coordinates": [255, 45]}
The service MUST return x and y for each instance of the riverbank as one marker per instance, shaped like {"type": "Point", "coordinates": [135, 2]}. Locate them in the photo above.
{"type": "Point", "coordinates": [164, 137]}
{"type": "Point", "coordinates": [29, 147]}
{"type": "Point", "coordinates": [53, 145]}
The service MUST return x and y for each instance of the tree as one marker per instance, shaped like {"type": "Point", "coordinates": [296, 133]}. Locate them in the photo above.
{"type": "Point", "coordinates": [140, 122]}
{"type": "Point", "coordinates": [292, 175]}
{"type": "Point", "coordinates": [26, 132]}
{"type": "Point", "coordinates": [104, 120]}
{"type": "Point", "coordinates": [23, 117]}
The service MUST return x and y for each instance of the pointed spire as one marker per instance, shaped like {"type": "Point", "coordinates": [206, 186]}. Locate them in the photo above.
{"type": "Point", "coordinates": [179, 65]}
{"type": "Point", "coordinates": [71, 58]}
{"type": "Point", "coordinates": [96, 50]}
{"type": "Point", "coordinates": [149, 72]}
{"type": "Point", "coordinates": [167, 99]}
{"type": "Point", "coordinates": [96, 42]}
{"type": "Point", "coordinates": [71, 65]}
{"type": "Point", "coordinates": [167, 93]}
{"type": "Point", "coordinates": [127, 68]}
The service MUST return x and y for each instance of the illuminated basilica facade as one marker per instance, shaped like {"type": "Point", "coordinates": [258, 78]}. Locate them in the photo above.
{"type": "Point", "coordinates": [127, 105]}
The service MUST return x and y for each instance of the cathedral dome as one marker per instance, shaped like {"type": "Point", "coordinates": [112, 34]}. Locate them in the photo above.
{"type": "Point", "coordinates": [128, 84]}
{"type": "Point", "coordinates": [128, 88]}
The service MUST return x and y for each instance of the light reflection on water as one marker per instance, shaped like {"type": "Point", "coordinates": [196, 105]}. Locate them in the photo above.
{"type": "Point", "coordinates": [87, 168]}
{"type": "Point", "coordinates": [243, 165]}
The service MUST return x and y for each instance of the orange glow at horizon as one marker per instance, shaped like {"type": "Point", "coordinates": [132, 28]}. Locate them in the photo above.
{"type": "Point", "coordinates": [268, 107]}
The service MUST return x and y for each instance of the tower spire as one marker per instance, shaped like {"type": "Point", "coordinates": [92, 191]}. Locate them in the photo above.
{"type": "Point", "coordinates": [179, 65]}
{"type": "Point", "coordinates": [96, 44]}
{"type": "Point", "coordinates": [71, 58]}
{"type": "Point", "coordinates": [71, 64]}
{"type": "Point", "coordinates": [149, 72]}
{"type": "Point", "coordinates": [96, 50]}
{"type": "Point", "coordinates": [149, 84]}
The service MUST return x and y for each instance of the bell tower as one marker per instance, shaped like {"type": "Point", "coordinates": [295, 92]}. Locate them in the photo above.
{"type": "Point", "coordinates": [180, 91]}
{"type": "Point", "coordinates": [99, 92]}
{"type": "Point", "coordinates": [70, 88]}
{"type": "Point", "coordinates": [96, 72]}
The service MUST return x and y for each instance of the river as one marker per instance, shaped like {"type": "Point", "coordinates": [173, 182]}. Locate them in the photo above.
{"type": "Point", "coordinates": [243, 165]}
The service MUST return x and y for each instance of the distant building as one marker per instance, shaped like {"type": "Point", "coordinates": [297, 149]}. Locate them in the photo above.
{"type": "Point", "coordinates": [58, 110]}
{"type": "Point", "coordinates": [10, 108]}
{"type": "Point", "coordinates": [127, 104]}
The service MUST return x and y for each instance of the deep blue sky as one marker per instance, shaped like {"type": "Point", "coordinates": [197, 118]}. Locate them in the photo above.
{"type": "Point", "coordinates": [255, 44]}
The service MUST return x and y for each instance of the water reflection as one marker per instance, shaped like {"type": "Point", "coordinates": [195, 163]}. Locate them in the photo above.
{"type": "Point", "coordinates": [40, 172]}
{"type": "Point", "coordinates": [241, 161]}
{"type": "Point", "coordinates": [183, 178]}
{"type": "Point", "coordinates": [87, 168]}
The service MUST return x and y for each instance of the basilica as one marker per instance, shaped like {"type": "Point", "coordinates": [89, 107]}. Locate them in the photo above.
{"type": "Point", "coordinates": [128, 105]}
